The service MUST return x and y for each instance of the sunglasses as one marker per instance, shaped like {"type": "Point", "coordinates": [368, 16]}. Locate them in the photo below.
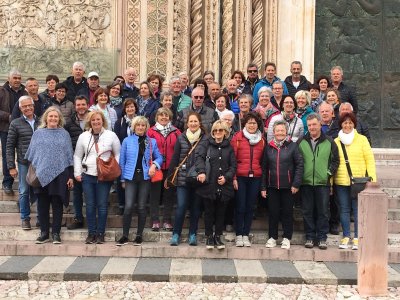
{"type": "Point", "coordinates": [198, 97]}
{"type": "Point", "coordinates": [252, 71]}
{"type": "Point", "coordinates": [218, 130]}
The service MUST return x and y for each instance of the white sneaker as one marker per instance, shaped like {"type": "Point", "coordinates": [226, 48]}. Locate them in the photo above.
{"type": "Point", "coordinates": [246, 241]}
{"type": "Point", "coordinates": [239, 241]}
{"type": "Point", "coordinates": [271, 243]}
{"type": "Point", "coordinates": [285, 244]}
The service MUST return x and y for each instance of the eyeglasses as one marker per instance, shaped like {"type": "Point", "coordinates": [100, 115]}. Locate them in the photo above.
{"type": "Point", "coordinates": [288, 102]}
{"type": "Point", "coordinates": [27, 106]}
{"type": "Point", "coordinates": [218, 130]}
{"type": "Point", "coordinates": [198, 97]}
{"type": "Point", "coordinates": [252, 71]}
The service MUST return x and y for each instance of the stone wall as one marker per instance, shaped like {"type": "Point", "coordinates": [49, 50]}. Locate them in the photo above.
{"type": "Point", "coordinates": [363, 37]}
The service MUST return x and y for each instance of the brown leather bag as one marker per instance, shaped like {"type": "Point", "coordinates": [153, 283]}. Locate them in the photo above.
{"type": "Point", "coordinates": [107, 170]}
{"type": "Point", "coordinates": [31, 177]}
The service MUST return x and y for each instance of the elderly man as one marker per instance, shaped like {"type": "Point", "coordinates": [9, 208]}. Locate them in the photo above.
{"type": "Point", "coordinates": [269, 78]}
{"type": "Point", "coordinates": [93, 81]}
{"type": "Point", "coordinates": [185, 87]}
{"type": "Point", "coordinates": [347, 93]}
{"type": "Point", "coordinates": [214, 89]}
{"type": "Point", "coordinates": [19, 137]}
{"type": "Point", "coordinates": [252, 79]}
{"type": "Point", "coordinates": [329, 126]}
{"type": "Point", "coordinates": [129, 90]}
{"type": "Point", "coordinates": [180, 100]}
{"type": "Point", "coordinates": [75, 126]}
{"type": "Point", "coordinates": [10, 92]}
{"type": "Point", "coordinates": [315, 188]}
{"type": "Point", "coordinates": [233, 96]}
{"type": "Point", "coordinates": [208, 115]}
{"type": "Point", "coordinates": [296, 82]}
{"type": "Point", "coordinates": [40, 101]}
{"type": "Point", "coordinates": [75, 82]}
{"type": "Point", "coordinates": [362, 128]}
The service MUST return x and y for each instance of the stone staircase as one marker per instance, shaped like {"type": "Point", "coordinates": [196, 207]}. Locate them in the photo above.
{"type": "Point", "coordinates": [15, 241]}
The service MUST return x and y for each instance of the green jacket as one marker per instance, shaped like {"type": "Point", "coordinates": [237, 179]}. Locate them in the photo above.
{"type": "Point", "coordinates": [181, 101]}
{"type": "Point", "coordinates": [320, 164]}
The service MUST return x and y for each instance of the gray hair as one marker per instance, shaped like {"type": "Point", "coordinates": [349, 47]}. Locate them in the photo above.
{"type": "Point", "coordinates": [173, 79]}
{"type": "Point", "coordinates": [346, 104]}
{"type": "Point", "coordinates": [296, 62]}
{"type": "Point", "coordinates": [281, 122]}
{"type": "Point", "coordinates": [337, 68]}
{"type": "Point", "coordinates": [246, 96]}
{"type": "Point", "coordinates": [164, 94]}
{"type": "Point", "coordinates": [306, 94]}
{"type": "Point", "coordinates": [227, 112]}
{"type": "Point", "coordinates": [78, 64]}
{"type": "Point", "coordinates": [14, 72]}
{"type": "Point", "coordinates": [263, 90]}
{"type": "Point", "coordinates": [23, 98]}
{"type": "Point", "coordinates": [326, 104]}
{"type": "Point", "coordinates": [313, 116]}
{"type": "Point", "coordinates": [183, 73]}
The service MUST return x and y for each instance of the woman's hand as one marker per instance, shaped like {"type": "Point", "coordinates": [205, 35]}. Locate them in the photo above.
{"type": "Point", "coordinates": [166, 184]}
{"type": "Point", "coordinates": [123, 185]}
{"type": "Point", "coordinates": [70, 183]}
{"type": "Point", "coordinates": [201, 177]}
{"type": "Point", "coordinates": [221, 180]}
{"type": "Point", "coordinates": [294, 190]}
{"type": "Point", "coordinates": [152, 170]}
{"type": "Point", "coordinates": [235, 184]}
{"type": "Point", "coordinates": [78, 178]}
{"type": "Point", "coordinates": [264, 194]}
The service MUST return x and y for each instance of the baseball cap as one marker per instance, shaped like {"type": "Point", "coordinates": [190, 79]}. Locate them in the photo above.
{"type": "Point", "coordinates": [93, 74]}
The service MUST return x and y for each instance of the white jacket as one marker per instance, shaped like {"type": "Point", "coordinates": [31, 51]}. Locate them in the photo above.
{"type": "Point", "coordinates": [85, 151]}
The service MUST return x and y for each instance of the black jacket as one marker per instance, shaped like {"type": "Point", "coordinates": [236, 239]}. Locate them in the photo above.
{"type": "Point", "coordinates": [208, 117]}
{"type": "Point", "coordinates": [73, 87]}
{"type": "Point", "coordinates": [121, 128]}
{"type": "Point", "coordinates": [40, 106]}
{"type": "Point", "coordinates": [348, 94]}
{"type": "Point", "coordinates": [282, 167]}
{"type": "Point", "coordinates": [18, 139]}
{"type": "Point", "coordinates": [129, 93]}
{"type": "Point", "coordinates": [74, 129]}
{"type": "Point", "coordinates": [249, 86]}
{"type": "Point", "coordinates": [222, 163]}
{"type": "Point", "coordinates": [8, 98]}
{"type": "Point", "coordinates": [304, 85]}
{"type": "Point", "coordinates": [181, 149]}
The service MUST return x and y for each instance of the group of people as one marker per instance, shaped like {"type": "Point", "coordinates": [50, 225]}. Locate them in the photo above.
{"type": "Point", "coordinates": [214, 150]}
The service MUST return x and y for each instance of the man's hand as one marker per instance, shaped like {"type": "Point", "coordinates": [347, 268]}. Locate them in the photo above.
{"type": "Point", "coordinates": [13, 173]}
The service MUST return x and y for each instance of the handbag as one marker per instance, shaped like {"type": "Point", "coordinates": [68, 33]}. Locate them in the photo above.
{"type": "Point", "coordinates": [158, 176]}
{"type": "Point", "coordinates": [172, 179]}
{"type": "Point", "coordinates": [357, 183]}
{"type": "Point", "coordinates": [107, 170]}
{"type": "Point", "coordinates": [31, 177]}
{"type": "Point", "coordinates": [191, 175]}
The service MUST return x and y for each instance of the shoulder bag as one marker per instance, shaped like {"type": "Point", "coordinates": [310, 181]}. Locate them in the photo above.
{"type": "Point", "coordinates": [158, 176]}
{"type": "Point", "coordinates": [31, 177]}
{"type": "Point", "coordinates": [357, 184]}
{"type": "Point", "coordinates": [107, 170]}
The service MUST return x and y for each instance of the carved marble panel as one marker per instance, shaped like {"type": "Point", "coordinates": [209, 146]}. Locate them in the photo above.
{"type": "Point", "coordinates": [43, 37]}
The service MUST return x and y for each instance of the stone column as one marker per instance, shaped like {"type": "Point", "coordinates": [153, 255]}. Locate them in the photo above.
{"type": "Point", "coordinates": [372, 274]}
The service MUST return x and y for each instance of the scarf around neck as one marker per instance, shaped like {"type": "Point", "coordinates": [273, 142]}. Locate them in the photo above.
{"type": "Point", "coordinates": [347, 138]}
{"type": "Point", "coordinates": [193, 136]}
{"type": "Point", "coordinates": [164, 130]}
{"type": "Point", "coordinates": [115, 101]}
{"type": "Point", "coordinates": [253, 138]}
{"type": "Point", "coordinates": [278, 144]}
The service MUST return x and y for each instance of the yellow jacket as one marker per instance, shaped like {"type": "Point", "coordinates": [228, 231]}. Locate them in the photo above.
{"type": "Point", "coordinates": [361, 160]}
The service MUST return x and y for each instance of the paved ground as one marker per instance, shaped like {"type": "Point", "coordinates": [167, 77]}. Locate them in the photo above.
{"type": "Point", "coordinates": [35, 290]}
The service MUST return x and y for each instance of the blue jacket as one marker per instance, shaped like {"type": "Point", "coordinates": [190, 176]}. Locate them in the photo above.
{"type": "Point", "coordinates": [129, 153]}
{"type": "Point", "coordinates": [264, 82]}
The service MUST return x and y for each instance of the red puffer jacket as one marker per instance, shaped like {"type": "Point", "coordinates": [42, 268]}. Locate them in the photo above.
{"type": "Point", "coordinates": [242, 149]}
{"type": "Point", "coordinates": [165, 144]}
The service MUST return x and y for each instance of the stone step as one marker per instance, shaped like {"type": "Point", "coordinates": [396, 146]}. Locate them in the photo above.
{"type": "Point", "coordinates": [164, 250]}
{"type": "Point", "coordinates": [15, 233]}
{"type": "Point", "coordinates": [394, 202]}
{"type": "Point", "coordinates": [392, 154]}
{"type": "Point", "coordinates": [394, 214]}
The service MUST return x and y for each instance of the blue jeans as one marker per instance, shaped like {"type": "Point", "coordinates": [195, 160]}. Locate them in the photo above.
{"type": "Point", "coordinates": [346, 203]}
{"type": "Point", "coordinates": [315, 202]}
{"type": "Point", "coordinates": [8, 180]}
{"type": "Point", "coordinates": [185, 197]}
{"type": "Point", "coordinates": [78, 200]}
{"type": "Point", "coordinates": [246, 197]}
{"type": "Point", "coordinates": [96, 196]}
{"type": "Point", "coordinates": [23, 190]}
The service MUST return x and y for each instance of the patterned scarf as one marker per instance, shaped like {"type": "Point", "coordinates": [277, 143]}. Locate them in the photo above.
{"type": "Point", "coordinates": [278, 144]}
{"type": "Point", "coordinates": [142, 104]}
{"type": "Point", "coordinates": [115, 101]}
{"type": "Point", "coordinates": [164, 130]}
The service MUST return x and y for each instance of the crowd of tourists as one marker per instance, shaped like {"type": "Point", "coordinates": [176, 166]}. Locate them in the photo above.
{"type": "Point", "coordinates": [201, 149]}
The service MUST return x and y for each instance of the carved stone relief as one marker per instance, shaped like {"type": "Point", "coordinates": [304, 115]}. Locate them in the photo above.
{"type": "Point", "coordinates": [196, 40]}
{"type": "Point", "coordinates": [132, 50]}
{"type": "Point", "coordinates": [180, 53]}
{"type": "Point", "coordinates": [43, 37]}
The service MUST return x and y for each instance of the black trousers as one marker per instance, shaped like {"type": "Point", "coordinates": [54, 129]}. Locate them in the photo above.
{"type": "Point", "coordinates": [280, 207]}
{"type": "Point", "coordinates": [334, 211]}
{"type": "Point", "coordinates": [214, 213]}
{"type": "Point", "coordinates": [44, 201]}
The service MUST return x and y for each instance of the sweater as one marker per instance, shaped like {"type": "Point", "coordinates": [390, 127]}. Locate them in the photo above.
{"type": "Point", "coordinates": [85, 151]}
{"type": "Point", "coordinates": [361, 159]}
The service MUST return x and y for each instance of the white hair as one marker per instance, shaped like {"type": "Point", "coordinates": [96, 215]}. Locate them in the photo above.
{"type": "Point", "coordinates": [78, 64]}
{"type": "Point", "coordinates": [14, 72]}
{"type": "Point", "coordinates": [23, 98]}
{"type": "Point", "coordinates": [337, 68]}
{"type": "Point", "coordinates": [227, 112]}
{"type": "Point", "coordinates": [346, 104]}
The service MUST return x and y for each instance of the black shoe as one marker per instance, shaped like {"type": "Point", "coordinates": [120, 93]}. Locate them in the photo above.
{"type": "Point", "coordinates": [138, 241]}
{"type": "Point", "coordinates": [91, 239]}
{"type": "Point", "coordinates": [217, 241]}
{"type": "Point", "coordinates": [120, 211]}
{"type": "Point", "coordinates": [210, 242]}
{"type": "Point", "coordinates": [76, 224]}
{"type": "Point", "coordinates": [122, 241]}
{"type": "Point", "coordinates": [43, 238]}
{"type": "Point", "coordinates": [100, 238]}
{"type": "Point", "coordinates": [334, 230]}
{"type": "Point", "coordinates": [37, 225]}
{"type": "Point", "coordinates": [8, 190]}
{"type": "Point", "coordinates": [26, 224]}
{"type": "Point", "coordinates": [56, 238]}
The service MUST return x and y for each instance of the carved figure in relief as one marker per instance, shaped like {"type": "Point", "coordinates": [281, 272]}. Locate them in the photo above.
{"type": "Point", "coordinates": [341, 7]}
{"type": "Point", "coordinates": [51, 13]}
{"type": "Point", "coordinates": [395, 114]}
